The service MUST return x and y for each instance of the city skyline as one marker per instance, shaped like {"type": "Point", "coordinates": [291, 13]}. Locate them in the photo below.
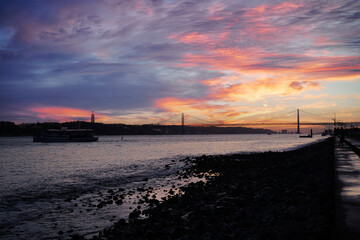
{"type": "Point", "coordinates": [147, 60]}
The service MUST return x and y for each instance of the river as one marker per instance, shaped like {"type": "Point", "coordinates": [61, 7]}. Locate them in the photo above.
{"type": "Point", "coordinates": [51, 190]}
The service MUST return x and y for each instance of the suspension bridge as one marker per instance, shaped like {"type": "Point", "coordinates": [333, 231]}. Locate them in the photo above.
{"type": "Point", "coordinates": [316, 120]}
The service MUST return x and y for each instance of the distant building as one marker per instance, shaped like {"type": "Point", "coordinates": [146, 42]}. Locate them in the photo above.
{"type": "Point", "coordinates": [92, 117]}
{"type": "Point", "coordinates": [284, 131]}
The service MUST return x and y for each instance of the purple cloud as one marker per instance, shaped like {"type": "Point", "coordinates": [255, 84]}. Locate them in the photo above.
{"type": "Point", "coordinates": [125, 55]}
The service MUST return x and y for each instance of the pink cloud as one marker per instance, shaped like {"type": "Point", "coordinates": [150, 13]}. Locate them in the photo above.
{"type": "Point", "coordinates": [63, 114]}
{"type": "Point", "coordinates": [193, 37]}
{"type": "Point", "coordinates": [296, 85]}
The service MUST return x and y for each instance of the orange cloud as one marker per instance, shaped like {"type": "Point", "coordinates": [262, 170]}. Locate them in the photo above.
{"type": "Point", "coordinates": [263, 11]}
{"type": "Point", "coordinates": [286, 7]}
{"type": "Point", "coordinates": [254, 79]}
{"type": "Point", "coordinates": [182, 105]}
{"type": "Point", "coordinates": [63, 114]}
{"type": "Point", "coordinates": [251, 61]}
{"type": "Point", "coordinates": [229, 98]}
{"type": "Point", "coordinates": [337, 64]}
{"type": "Point", "coordinates": [254, 72]}
{"type": "Point", "coordinates": [260, 9]}
{"type": "Point", "coordinates": [257, 90]}
{"type": "Point", "coordinates": [143, 7]}
{"type": "Point", "coordinates": [200, 107]}
{"type": "Point", "coordinates": [193, 37]}
{"type": "Point", "coordinates": [296, 85]}
{"type": "Point", "coordinates": [211, 111]}
{"type": "Point", "coordinates": [312, 97]}
{"type": "Point", "coordinates": [319, 105]}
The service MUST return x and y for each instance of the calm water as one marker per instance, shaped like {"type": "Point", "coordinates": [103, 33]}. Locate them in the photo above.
{"type": "Point", "coordinates": [50, 189]}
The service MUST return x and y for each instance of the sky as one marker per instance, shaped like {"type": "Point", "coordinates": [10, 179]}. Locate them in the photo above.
{"type": "Point", "coordinates": [144, 61]}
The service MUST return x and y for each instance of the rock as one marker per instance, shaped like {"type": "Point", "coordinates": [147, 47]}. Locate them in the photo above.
{"type": "Point", "coordinates": [134, 214]}
{"type": "Point", "coordinates": [186, 216]}
{"type": "Point", "coordinates": [100, 205]}
{"type": "Point", "coordinates": [77, 237]}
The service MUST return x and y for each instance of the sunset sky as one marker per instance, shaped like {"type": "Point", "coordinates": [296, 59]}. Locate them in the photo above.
{"type": "Point", "coordinates": [143, 61]}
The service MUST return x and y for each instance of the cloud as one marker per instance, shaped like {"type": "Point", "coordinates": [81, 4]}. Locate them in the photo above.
{"type": "Point", "coordinates": [296, 85]}
{"type": "Point", "coordinates": [319, 105]}
{"type": "Point", "coordinates": [50, 113]}
{"type": "Point", "coordinates": [312, 97]}
{"type": "Point", "coordinates": [208, 57]}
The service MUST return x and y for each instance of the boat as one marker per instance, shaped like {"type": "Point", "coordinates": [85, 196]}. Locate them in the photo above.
{"type": "Point", "coordinates": [66, 135]}
{"type": "Point", "coordinates": [307, 136]}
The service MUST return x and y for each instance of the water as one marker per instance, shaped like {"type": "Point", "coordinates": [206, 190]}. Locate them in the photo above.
{"type": "Point", "coordinates": [51, 190]}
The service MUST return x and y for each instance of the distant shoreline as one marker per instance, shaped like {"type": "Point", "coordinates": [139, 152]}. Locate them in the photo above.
{"type": "Point", "coordinates": [12, 129]}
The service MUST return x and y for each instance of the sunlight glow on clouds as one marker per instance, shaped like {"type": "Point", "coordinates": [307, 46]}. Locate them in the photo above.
{"type": "Point", "coordinates": [64, 114]}
{"type": "Point", "coordinates": [139, 61]}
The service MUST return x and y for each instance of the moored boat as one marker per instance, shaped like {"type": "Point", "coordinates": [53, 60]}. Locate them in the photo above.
{"type": "Point", "coordinates": [307, 136]}
{"type": "Point", "coordinates": [65, 135]}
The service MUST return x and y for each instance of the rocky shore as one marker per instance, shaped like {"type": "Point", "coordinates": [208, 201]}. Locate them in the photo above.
{"type": "Point", "coordinates": [272, 195]}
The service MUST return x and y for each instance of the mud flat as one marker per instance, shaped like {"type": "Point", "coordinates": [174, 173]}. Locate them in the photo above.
{"type": "Point", "coordinates": [272, 195]}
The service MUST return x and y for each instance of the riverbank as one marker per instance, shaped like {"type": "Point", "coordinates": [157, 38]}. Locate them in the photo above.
{"type": "Point", "coordinates": [287, 195]}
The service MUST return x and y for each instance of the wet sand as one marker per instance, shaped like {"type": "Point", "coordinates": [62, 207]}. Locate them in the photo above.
{"type": "Point", "coordinates": [286, 195]}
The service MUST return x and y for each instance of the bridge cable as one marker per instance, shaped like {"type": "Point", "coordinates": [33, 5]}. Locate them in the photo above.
{"type": "Point", "coordinates": [277, 117]}
{"type": "Point", "coordinates": [204, 120]}
{"type": "Point", "coordinates": [166, 120]}
{"type": "Point", "coordinates": [313, 114]}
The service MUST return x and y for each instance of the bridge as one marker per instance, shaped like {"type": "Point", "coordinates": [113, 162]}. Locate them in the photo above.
{"type": "Point", "coordinates": [321, 121]}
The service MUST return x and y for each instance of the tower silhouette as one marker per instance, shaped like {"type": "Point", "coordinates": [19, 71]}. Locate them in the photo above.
{"type": "Point", "coordinates": [182, 123]}
{"type": "Point", "coordinates": [298, 121]}
{"type": "Point", "coordinates": [92, 117]}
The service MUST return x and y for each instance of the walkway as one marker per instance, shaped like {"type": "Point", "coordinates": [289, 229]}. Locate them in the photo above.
{"type": "Point", "coordinates": [347, 164]}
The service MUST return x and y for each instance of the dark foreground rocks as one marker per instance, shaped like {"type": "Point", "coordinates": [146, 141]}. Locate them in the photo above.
{"type": "Point", "coordinates": [271, 195]}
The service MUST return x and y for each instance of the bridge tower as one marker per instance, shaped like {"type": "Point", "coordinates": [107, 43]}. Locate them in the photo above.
{"type": "Point", "coordinates": [92, 117]}
{"type": "Point", "coordinates": [182, 123]}
{"type": "Point", "coordinates": [298, 122]}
